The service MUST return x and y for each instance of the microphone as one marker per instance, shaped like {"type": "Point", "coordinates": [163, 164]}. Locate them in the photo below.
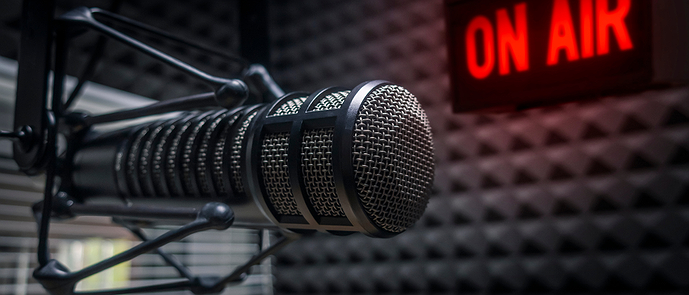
{"type": "Point", "coordinates": [336, 160]}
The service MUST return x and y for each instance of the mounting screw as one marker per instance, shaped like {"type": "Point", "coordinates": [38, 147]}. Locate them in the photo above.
{"type": "Point", "coordinates": [24, 135]}
{"type": "Point", "coordinates": [220, 215]}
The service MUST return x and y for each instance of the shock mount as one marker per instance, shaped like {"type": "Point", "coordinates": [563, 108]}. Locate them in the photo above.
{"type": "Point", "coordinates": [37, 127]}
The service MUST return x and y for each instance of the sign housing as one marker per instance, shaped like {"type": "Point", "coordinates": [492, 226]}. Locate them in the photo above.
{"type": "Point", "coordinates": [507, 54]}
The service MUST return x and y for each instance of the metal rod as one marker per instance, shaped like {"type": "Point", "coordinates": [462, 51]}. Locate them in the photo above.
{"type": "Point", "coordinates": [174, 286]}
{"type": "Point", "coordinates": [259, 74]}
{"type": "Point", "coordinates": [171, 105]}
{"type": "Point", "coordinates": [43, 251]}
{"type": "Point", "coordinates": [83, 15]}
{"type": "Point", "coordinates": [23, 136]}
{"type": "Point", "coordinates": [90, 68]}
{"type": "Point", "coordinates": [134, 211]}
{"type": "Point", "coordinates": [88, 72]}
{"type": "Point", "coordinates": [169, 259]}
{"type": "Point", "coordinates": [155, 31]}
{"type": "Point", "coordinates": [9, 134]}
{"type": "Point", "coordinates": [61, 56]}
{"type": "Point", "coordinates": [236, 274]}
{"type": "Point", "coordinates": [228, 93]}
{"type": "Point", "coordinates": [173, 235]}
{"type": "Point", "coordinates": [211, 216]}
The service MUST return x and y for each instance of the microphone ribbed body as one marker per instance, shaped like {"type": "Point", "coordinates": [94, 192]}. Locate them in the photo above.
{"type": "Point", "coordinates": [337, 160]}
{"type": "Point", "coordinates": [182, 158]}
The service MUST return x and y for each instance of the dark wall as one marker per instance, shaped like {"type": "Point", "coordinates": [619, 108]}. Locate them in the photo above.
{"type": "Point", "coordinates": [582, 197]}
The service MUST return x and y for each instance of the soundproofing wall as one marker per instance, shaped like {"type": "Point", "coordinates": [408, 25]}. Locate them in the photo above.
{"type": "Point", "coordinates": [589, 197]}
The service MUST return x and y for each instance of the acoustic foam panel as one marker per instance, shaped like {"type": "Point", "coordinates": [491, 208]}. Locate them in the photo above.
{"type": "Point", "coordinates": [588, 197]}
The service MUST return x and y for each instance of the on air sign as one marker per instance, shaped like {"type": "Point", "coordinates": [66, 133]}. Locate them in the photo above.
{"type": "Point", "coordinates": [523, 53]}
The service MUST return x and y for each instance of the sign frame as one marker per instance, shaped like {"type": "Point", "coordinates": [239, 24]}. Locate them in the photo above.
{"type": "Point", "coordinates": [658, 30]}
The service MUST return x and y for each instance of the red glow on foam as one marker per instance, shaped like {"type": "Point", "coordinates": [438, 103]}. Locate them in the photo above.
{"type": "Point", "coordinates": [561, 34]}
{"type": "Point", "coordinates": [511, 40]}
{"type": "Point", "coordinates": [483, 24]}
{"type": "Point", "coordinates": [614, 20]}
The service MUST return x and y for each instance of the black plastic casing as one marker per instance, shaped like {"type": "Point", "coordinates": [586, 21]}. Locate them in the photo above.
{"type": "Point", "coordinates": [99, 175]}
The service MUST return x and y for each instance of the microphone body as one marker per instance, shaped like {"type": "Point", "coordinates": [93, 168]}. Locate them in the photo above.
{"type": "Point", "coordinates": [336, 160]}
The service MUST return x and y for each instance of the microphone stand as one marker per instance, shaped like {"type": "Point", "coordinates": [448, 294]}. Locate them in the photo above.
{"type": "Point", "coordinates": [57, 279]}
{"type": "Point", "coordinates": [37, 128]}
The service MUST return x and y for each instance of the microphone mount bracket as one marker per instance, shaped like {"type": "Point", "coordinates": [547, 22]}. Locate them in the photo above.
{"type": "Point", "coordinates": [58, 279]}
{"type": "Point", "coordinates": [37, 127]}
{"type": "Point", "coordinates": [41, 33]}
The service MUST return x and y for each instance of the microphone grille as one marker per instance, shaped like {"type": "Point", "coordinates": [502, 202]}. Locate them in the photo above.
{"type": "Point", "coordinates": [289, 107]}
{"type": "Point", "coordinates": [331, 101]}
{"type": "Point", "coordinates": [316, 165]}
{"type": "Point", "coordinates": [392, 155]}
{"type": "Point", "coordinates": [274, 166]}
{"type": "Point", "coordinates": [341, 161]}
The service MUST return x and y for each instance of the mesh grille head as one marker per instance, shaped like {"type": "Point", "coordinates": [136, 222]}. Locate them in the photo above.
{"type": "Point", "coordinates": [316, 166]}
{"type": "Point", "coordinates": [392, 156]}
{"type": "Point", "coordinates": [275, 173]}
{"type": "Point", "coordinates": [236, 156]}
{"type": "Point", "coordinates": [331, 101]}
{"type": "Point", "coordinates": [289, 107]}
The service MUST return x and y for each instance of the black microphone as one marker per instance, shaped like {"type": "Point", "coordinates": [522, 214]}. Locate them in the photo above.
{"type": "Point", "coordinates": [336, 160]}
